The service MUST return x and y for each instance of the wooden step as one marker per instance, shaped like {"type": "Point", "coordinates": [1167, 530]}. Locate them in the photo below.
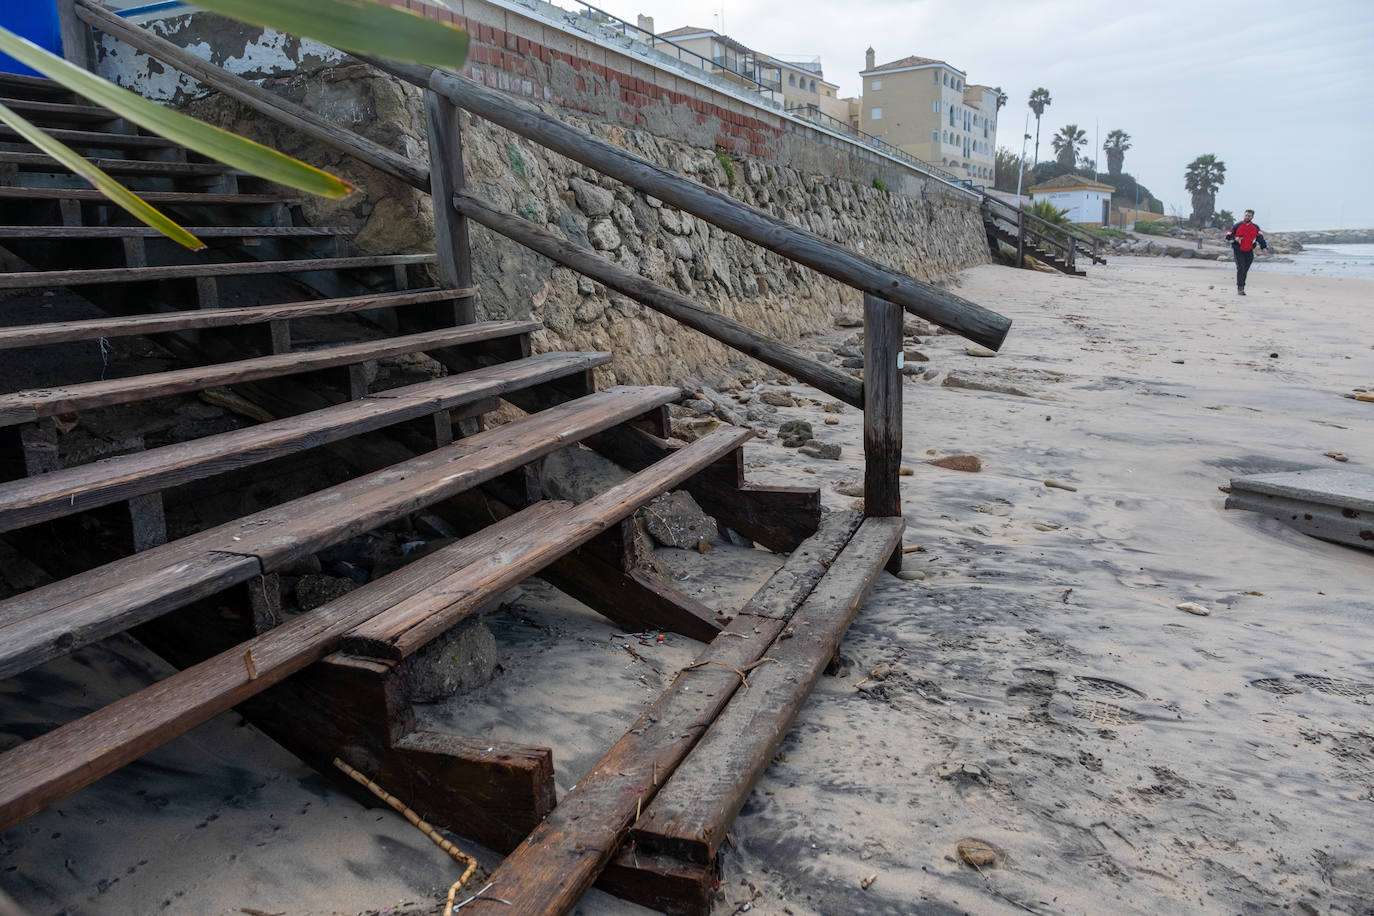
{"type": "Point", "coordinates": [25, 406]}
{"type": "Point", "coordinates": [162, 198]}
{"type": "Point", "coordinates": [39, 335]}
{"type": "Point", "coordinates": [22, 86]}
{"type": "Point", "coordinates": [92, 139]}
{"type": "Point", "coordinates": [54, 619]}
{"type": "Point", "coordinates": [41, 771]}
{"type": "Point", "coordinates": [48, 279]}
{"type": "Point", "coordinates": [47, 113]}
{"type": "Point", "coordinates": [556, 864]}
{"type": "Point", "coordinates": [426, 597]}
{"type": "Point", "coordinates": [59, 493]}
{"type": "Point", "coordinates": [40, 162]}
{"type": "Point", "coordinates": [80, 233]}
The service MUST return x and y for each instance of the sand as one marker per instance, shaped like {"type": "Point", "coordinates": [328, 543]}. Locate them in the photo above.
{"type": "Point", "coordinates": [1044, 694]}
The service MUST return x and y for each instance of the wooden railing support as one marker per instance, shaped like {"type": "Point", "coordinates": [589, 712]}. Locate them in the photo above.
{"type": "Point", "coordinates": [77, 45]}
{"type": "Point", "coordinates": [1020, 238]}
{"type": "Point", "coordinates": [446, 177]}
{"type": "Point", "coordinates": [882, 408]}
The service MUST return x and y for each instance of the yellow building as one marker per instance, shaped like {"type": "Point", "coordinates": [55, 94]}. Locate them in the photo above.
{"type": "Point", "coordinates": [720, 54]}
{"type": "Point", "coordinates": [924, 107]}
{"type": "Point", "coordinates": [804, 86]}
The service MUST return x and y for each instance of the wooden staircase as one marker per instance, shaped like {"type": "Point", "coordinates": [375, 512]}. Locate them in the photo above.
{"type": "Point", "coordinates": [1025, 233]}
{"type": "Point", "coordinates": [292, 319]}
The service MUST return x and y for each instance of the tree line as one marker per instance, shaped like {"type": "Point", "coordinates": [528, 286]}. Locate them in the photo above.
{"type": "Point", "coordinates": [1202, 177]}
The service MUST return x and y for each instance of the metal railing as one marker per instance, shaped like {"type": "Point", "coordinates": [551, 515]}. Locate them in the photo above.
{"type": "Point", "coordinates": [812, 113]}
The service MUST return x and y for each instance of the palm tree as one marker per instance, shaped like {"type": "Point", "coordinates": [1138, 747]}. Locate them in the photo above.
{"type": "Point", "coordinates": [1067, 143]}
{"type": "Point", "coordinates": [1039, 101]}
{"type": "Point", "coordinates": [1001, 97]}
{"type": "Point", "coordinates": [1118, 141]}
{"type": "Point", "coordinates": [1204, 175]}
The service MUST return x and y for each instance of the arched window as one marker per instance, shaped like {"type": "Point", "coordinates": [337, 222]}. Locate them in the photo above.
{"type": "Point", "coordinates": [813, 85]}
{"type": "Point", "coordinates": [791, 79]}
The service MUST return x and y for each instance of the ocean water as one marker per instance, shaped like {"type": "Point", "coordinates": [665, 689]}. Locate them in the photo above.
{"type": "Point", "coordinates": [1328, 261]}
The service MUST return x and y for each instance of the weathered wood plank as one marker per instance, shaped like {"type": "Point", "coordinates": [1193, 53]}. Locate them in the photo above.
{"type": "Point", "coordinates": [23, 406]}
{"type": "Point", "coordinates": [44, 279]}
{"type": "Point", "coordinates": [882, 408]}
{"type": "Point", "coordinates": [689, 817]}
{"type": "Point", "coordinates": [556, 864]}
{"type": "Point", "coordinates": [446, 177]}
{"type": "Point", "coordinates": [146, 232]}
{"type": "Point", "coordinates": [669, 302]}
{"type": "Point", "coordinates": [118, 595]}
{"type": "Point", "coordinates": [63, 492]}
{"type": "Point", "coordinates": [190, 198]}
{"type": "Point", "coordinates": [92, 139]}
{"type": "Point", "coordinates": [40, 335]}
{"type": "Point", "coordinates": [275, 107]}
{"type": "Point", "coordinates": [40, 771]}
{"type": "Point", "coordinates": [820, 254]}
{"type": "Point", "coordinates": [77, 46]}
{"type": "Point", "coordinates": [661, 883]}
{"type": "Point", "coordinates": [46, 113]}
{"type": "Point", "coordinates": [403, 629]}
{"type": "Point", "coordinates": [41, 162]}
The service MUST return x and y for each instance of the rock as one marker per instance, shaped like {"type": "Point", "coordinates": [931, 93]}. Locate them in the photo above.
{"type": "Point", "coordinates": [970, 463]}
{"type": "Point", "coordinates": [795, 433]}
{"type": "Point", "coordinates": [848, 321]}
{"type": "Point", "coordinates": [1194, 608]}
{"type": "Point", "coordinates": [691, 430]}
{"type": "Point", "coordinates": [828, 451]}
{"type": "Point", "coordinates": [852, 362]}
{"type": "Point", "coordinates": [1056, 485]}
{"type": "Point", "coordinates": [958, 379]}
{"type": "Point", "coordinates": [316, 590]}
{"type": "Point", "coordinates": [777, 399]}
{"type": "Point", "coordinates": [848, 350]}
{"type": "Point", "coordinates": [577, 474]}
{"type": "Point", "coordinates": [977, 853]}
{"type": "Point", "coordinates": [1336, 456]}
{"type": "Point", "coordinates": [850, 486]}
{"type": "Point", "coordinates": [930, 374]}
{"type": "Point", "coordinates": [981, 352]}
{"type": "Point", "coordinates": [880, 671]}
{"type": "Point", "coordinates": [832, 421]}
{"type": "Point", "coordinates": [915, 356]}
{"type": "Point", "coordinates": [675, 520]}
{"type": "Point", "coordinates": [603, 235]}
{"type": "Point", "coordinates": [460, 660]}
{"type": "Point", "coordinates": [703, 407]}
{"type": "Point", "coordinates": [833, 407]}
{"type": "Point", "coordinates": [592, 200]}
{"type": "Point", "coordinates": [905, 471]}
{"type": "Point", "coordinates": [911, 575]}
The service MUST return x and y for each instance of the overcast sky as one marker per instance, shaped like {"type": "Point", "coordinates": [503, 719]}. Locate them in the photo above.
{"type": "Point", "coordinates": [1281, 91]}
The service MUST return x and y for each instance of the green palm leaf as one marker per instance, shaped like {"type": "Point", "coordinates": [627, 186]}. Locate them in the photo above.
{"type": "Point", "coordinates": [116, 192]}
{"type": "Point", "coordinates": [231, 149]}
{"type": "Point", "coordinates": [361, 26]}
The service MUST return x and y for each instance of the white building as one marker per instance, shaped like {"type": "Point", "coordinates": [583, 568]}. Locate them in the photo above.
{"type": "Point", "coordinates": [1087, 201]}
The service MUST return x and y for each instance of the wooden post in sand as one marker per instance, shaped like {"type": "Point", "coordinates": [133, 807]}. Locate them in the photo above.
{"type": "Point", "coordinates": [882, 407]}
{"type": "Point", "coordinates": [1020, 238]}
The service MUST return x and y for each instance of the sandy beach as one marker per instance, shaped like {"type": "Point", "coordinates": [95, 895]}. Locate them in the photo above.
{"type": "Point", "coordinates": [1036, 687]}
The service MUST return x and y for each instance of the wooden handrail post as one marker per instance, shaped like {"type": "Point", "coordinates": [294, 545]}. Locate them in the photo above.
{"type": "Point", "coordinates": [446, 177]}
{"type": "Point", "coordinates": [882, 407]}
{"type": "Point", "coordinates": [1020, 238]}
{"type": "Point", "coordinates": [77, 43]}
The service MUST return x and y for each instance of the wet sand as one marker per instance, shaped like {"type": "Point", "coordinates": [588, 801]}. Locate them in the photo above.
{"type": "Point", "coordinates": [1044, 694]}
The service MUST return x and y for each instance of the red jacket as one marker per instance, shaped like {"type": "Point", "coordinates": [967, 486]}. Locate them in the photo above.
{"type": "Point", "coordinates": [1243, 236]}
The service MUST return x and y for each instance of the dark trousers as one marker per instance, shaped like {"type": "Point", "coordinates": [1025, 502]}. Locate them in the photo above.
{"type": "Point", "coordinates": [1243, 261]}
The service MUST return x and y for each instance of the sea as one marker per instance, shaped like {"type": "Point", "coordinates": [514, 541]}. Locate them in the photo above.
{"type": "Point", "coordinates": [1328, 261]}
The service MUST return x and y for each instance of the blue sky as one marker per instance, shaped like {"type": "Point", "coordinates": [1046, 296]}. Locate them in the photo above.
{"type": "Point", "coordinates": [1282, 92]}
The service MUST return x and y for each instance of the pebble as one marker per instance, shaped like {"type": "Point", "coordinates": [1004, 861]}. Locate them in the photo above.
{"type": "Point", "coordinates": [1336, 456]}
{"type": "Point", "coordinates": [866, 883]}
{"type": "Point", "coordinates": [827, 451]}
{"type": "Point", "coordinates": [834, 421]}
{"type": "Point", "coordinates": [976, 852]}
{"type": "Point", "coordinates": [981, 352]}
{"type": "Point", "coordinates": [969, 463]}
{"type": "Point", "coordinates": [1056, 485]}
{"type": "Point", "coordinates": [880, 671]}
{"type": "Point", "coordinates": [912, 575]}
{"type": "Point", "coordinates": [777, 399]}
{"type": "Point", "coordinates": [850, 486]}
{"type": "Point", "coordinates": [905, 470]}
{"type": "Point", "coordinates": [1194, 608]}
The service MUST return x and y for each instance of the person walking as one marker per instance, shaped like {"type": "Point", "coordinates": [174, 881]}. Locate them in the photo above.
{"type": "Point", "coordinates": [1243, 236]}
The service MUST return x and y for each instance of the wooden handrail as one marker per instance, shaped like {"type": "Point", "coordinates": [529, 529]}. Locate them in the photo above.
{"type": "Point", "coordinates": [965, 318]}
{"type": "Point", "coordinates": [665, 301]}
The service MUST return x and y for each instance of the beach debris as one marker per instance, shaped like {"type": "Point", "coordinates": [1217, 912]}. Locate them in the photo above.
{"type": "Point", "coordinates": [905, 470]}
{"type": "Point", "coordinates": [980, 352]}
{"type": "Point", "coordinates": [975, 383]}
{"type": "Point", "coordinates": [866, 883]}
{"type": "Point", "coordinates": [777, 399]}
{"type": "Point", "coordinates": [1363, 396]}
{"type": "Point", "coordinates": [795, 433]}
{"type": "Point", "coordinates": [1336, 456]}
{"type": "Point", "coordinates": [911, 575]}
{"type": "Point", "coordinates": [914, 548]}
{"type": "Point", "coordinates": [968, 463]}
{"type": "Point", "coordinates": [1042, 526]}
{"type": "Point", "coordinates": [1192, 607]}
{"type": "Point", "coordinates": [1057, 485]}
{"type": "Point", "coordinates": [977, 853]}
{"type": "Point", "coordinates": [880, 671]}
{"type": "Point", "coordinates": [815, 448]}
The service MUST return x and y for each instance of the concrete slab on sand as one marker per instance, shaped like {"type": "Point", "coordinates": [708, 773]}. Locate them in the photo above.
{"type": "Point", "coordinates": [1327, 503]}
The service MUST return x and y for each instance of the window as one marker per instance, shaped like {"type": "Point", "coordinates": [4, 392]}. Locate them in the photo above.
{"type": "Point", "coordinates": [813, 85]}
{"type": "Point", "coordinates": [937, 106]}
{"type": "Point", "coordinates": [951, 117]}
{"type": "Point", "coordinates": [944, 136]}
{"type": "Point", "coordinates": [875, 85]}
{"type": "Point", "coordinates": [934, 136]}
{"type": "Point", "coordinates": [827, 93]}
{"type": "Point", "coordinates": [936, 74]}
{"type": "Point", "coordinates": [876, 114]}
{"type": "Point", "coordinates": [946, 79]}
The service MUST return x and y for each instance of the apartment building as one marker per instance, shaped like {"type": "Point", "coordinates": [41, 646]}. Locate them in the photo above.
{"type": "Point", "coordinates": [724, 56]}
{"type": "Point", "coordinates": [804, 86]}
{"type": "Point", "coordinates": [927, 108]}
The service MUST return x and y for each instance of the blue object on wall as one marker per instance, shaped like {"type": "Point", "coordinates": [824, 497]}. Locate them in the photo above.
{"type": "Point", "coordinates": [35, 20]}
